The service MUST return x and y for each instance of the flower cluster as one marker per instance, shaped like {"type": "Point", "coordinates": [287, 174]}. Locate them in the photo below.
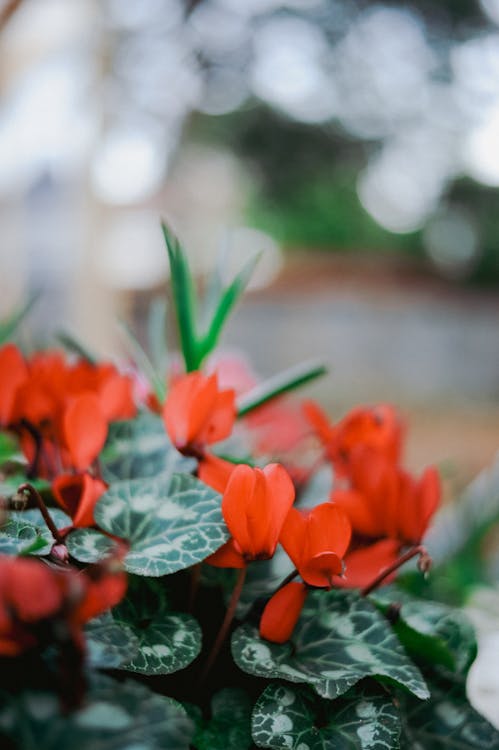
{"type": "Point", "coordinates": [375, 510]}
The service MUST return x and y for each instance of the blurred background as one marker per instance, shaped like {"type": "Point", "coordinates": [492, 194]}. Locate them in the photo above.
{"type": "Point", "coordinates": [356, 143]}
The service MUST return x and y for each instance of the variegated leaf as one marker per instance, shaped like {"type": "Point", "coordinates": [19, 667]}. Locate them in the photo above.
{"type": "Point", "coordinates": [170, 523]}
{"type": "Point", "coordinates": [340, 639]}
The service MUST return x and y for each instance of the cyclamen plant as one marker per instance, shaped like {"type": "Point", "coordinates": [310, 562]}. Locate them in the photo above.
{"type": "Point", "coordinates": [209, 563]}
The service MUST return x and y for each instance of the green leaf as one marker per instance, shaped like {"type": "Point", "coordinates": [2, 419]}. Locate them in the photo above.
{"type": "Point", "coordinates": [340, 639]}
{"type": "Point", "coordinates": [447, 721]}
{"type": "Point", "coordinates": [9, 448]}
{"type": "Point", "coordinates": [109, 643]}
{"type": "Point", "coordinates": [285, 381]}
{"type": "Point", "coordinates": [89, 545]}
{"type": "Point", "coordinates": [115, 716]}
{"type": "Point", "coordinates": [166, 641]}
{"type": "Point", "coordinates": [262, 579]}
{"type": "Point", "coordinates": [141, 448]}
{"type": "Point", "coordinates": [25, 532]}
{"type": "Point", "coordinates": [9, 325]}
{"type": "Point", "coordinates": [183, 298]}
{"type": "Point", "coordinates": [429, 631]}
{"type": "Point", "coordinates": [226, 304]}
{"type": "Point", "coordinates": [229, 726]}
{"type": "Point", "coordinates": [170, 523]}
{"type": "Point", "coordinates": [76, 347]}
{"type": "Point", "coordinates": [292, 719]}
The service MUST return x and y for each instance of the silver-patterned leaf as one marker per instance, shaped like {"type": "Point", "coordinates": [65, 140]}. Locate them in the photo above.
{"type": "Point", "coordinates": [115, 716]}
{"type": "Point", "coordinates": [109, 643]}
{"type": "Point", "coordinates": [162, 641]}
{"type": "Point", "coordinates": [89, 545]}
{"type": "Point", "coordinates": [170, 523]}
{"type": "Point", "coordinates": [340, 639]}
{"type": "Point", "coordinates": [447, 721]}
{"type": "Point", "coordinates": [363, 719]}
{"type": "Point", "coordinates": [141, 448]}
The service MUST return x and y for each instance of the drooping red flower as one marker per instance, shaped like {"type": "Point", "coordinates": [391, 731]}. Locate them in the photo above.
{"type": "Point", "coordinates": [84, 428]}
{"type": "Point", "coordinates": [77, 495]}
{"type": "Point", "coordinates": [254, 505]}
{"type": "Point", "coordinates": [377, 428]}
{"type": "Point", "coordinates": [316, 541]}
{"type": "Point", "coordinates": [364, 564]}
{"type": "Point", "coordinates": [197, 413]}
{"type": "Point", "coordinates": [282, 611]}
{"type": "Point", "coordinates": [33, 593]}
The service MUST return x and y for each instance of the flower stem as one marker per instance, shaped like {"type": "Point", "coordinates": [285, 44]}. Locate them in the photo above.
{"type": "Point", "coordinates": [33, 493]}
{"type": "Point", "coordinates": [425, 562]}
{"type": "Point", "coordinates": [222, 633]}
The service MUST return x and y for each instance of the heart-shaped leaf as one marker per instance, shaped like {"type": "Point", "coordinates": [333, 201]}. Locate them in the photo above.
{"type": "Point", "coordinates": [447, 721]}
{"type": "Point", "coordinates": [141, 448]}
{"type": "Point", "coordinates": [109, 643]}
{"type": "Point", "coordinates": [430, 631]}
{"type": "Point", "coordinates": [289, 718]}
{"type": "Point", "coordinates": [115, 716]}
{"type": "Point", "coordinates": [170, 523]}
{"type": "Point", "coordinates": [161, 641]}
{"type": "Point", "coordinates": [340, 639]}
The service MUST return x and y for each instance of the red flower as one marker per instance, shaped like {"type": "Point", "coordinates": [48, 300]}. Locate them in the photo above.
{"type": "Point", "coordinates": [362, 565]}
{"type": "Point", "coordinates": [254, 506]}
{"type": "Point", "coordinates": [84, 429]}
{"type": "Point", "coordinates": [13, 373]}
{"type": "Point", "coordinates": [282, 611]}
{"type": "Point", "coordinates": [32, 593]}
{"type": "Point", "coordinates": [316, 541]}
{"type": "Point", "coordinates": [77, 495]}
{"type": "Point", "coordinates": [196, 413]}
{"type": "Point", "coordinates": [377, 428]}
{"type": "Point", "coordinates": [387, 501]}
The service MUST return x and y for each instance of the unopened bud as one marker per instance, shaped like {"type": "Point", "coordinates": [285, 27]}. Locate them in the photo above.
{"type": "Point", "coordinates": [60, 553]}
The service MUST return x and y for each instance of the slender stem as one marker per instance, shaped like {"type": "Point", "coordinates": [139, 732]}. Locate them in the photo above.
{"type": "Point", "coordinates": [26, 487]}
{"type": "Point", "coordinates": [37, 438]}
{"type": "Point", "coordinates": [413, 552]}
{"type": "Point", "coordinates": [195, 578]}
{"type": "Point", "coordinates": [222, 633]}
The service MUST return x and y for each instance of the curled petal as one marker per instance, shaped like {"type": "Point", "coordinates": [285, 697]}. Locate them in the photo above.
{"type": "Point", "coordinates": [85, 430]}
{"type": "Point", "coordinates": [282, 612]}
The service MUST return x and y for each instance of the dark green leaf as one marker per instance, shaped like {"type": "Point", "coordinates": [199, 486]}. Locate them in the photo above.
{"type": "Point", "coordinates": [165, 641]}
{"type": "Point", "coordinates": [141, 448]}
{"type": "Point", "coordinates": [229, 725]}
{"type": "Point", "coordinates": [170, 523]}
{"type": "Point", "coordinates": [340, 639]}
{"type": "Point", "coordinates": [431, 631]}
{"type": "Point", "coordinates": [292, 719]}
{"type": "Point", "coordinates": [115, 716]}
{"type": "Point", "coordinates": [285, 381]}
{"type": "Point", "coordinates": [8, 448]}
{"type": "Point", "coordinates": [183, 298]}
{"type": "Point", "coordinates": [446, 722]}
{"type": "Point", "coordinates": [109, 643]}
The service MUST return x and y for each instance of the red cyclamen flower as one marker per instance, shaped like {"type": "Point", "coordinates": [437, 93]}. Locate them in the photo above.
{"type": "Point", "coordinates": [196, 413]}
{"type": "Point", "coordinates": [254, 505]}
{"type": "Point", "coordinates": [77, 495]}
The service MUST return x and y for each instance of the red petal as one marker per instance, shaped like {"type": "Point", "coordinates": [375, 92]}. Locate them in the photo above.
{"type": "Point", "coordinates": [13, 373]}
{"type": "Point", "coordinates": [101, 594]}
{"type": "Point", "coordinates": [282, 612]}
{"type": "Point", "coordinates": [85, 430]}
{"type": "Point", "coordinates": [215, 472]}
{"type": "Point", "coordinates": [77, 494]}
{"type": "Point", "coordinates": [363, 565]}
{"type": "Point", "coordinates": [227, 557]}
{"type": "Point", "coordinates": [116, 398]}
